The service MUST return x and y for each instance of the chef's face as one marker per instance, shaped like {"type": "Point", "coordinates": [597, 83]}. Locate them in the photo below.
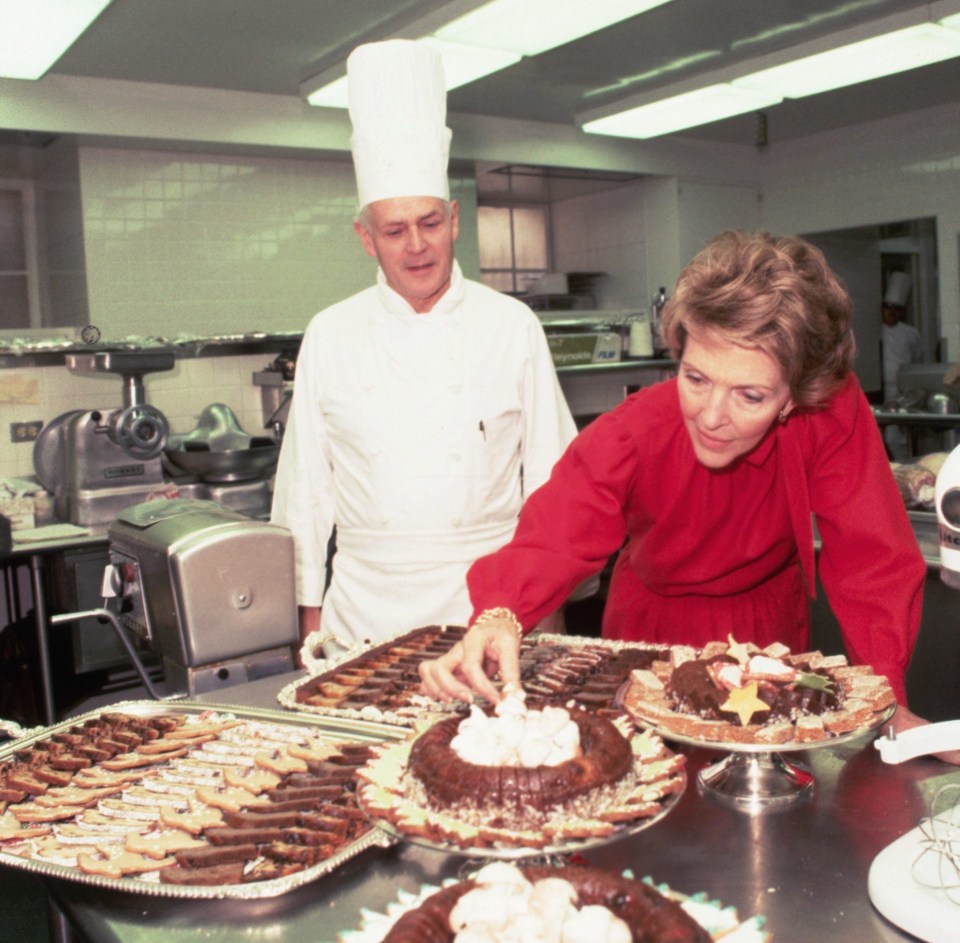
{"type": "Point", "coordinates": [412, 238]}
{"type": "Point", "coordinates": [729, 396]}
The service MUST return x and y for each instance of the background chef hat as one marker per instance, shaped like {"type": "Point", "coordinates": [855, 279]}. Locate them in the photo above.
{"type": "Point", "coordinates": [398, 108]}
{"type": "Point", "coordinates": [898, 289]}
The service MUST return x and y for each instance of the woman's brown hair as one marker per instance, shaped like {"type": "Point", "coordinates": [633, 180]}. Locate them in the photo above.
{"type": "Point", "coordinates": [774, 293]}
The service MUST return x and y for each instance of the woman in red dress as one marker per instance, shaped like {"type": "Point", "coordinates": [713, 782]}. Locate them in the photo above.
{"type": "Point", "coordinates": [708, 486]}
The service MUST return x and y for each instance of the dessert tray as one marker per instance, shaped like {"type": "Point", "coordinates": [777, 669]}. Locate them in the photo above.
{"type": "Point", "coordinates": [721, 922]}
{"type": "Point", "coordinates": [186, 801]}
{"type": "Point", "coordinates": [756, 776]}
{"type": "Point", "coordinates": [395, 802]}
{"type": "Point", "coordinates": [380, 683]}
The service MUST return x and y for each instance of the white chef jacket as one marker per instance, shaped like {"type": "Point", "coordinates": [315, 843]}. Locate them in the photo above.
{"type": "Point", "coordinates": [901, 344]}
{"type": "Point", "coordinates": [419, 436]}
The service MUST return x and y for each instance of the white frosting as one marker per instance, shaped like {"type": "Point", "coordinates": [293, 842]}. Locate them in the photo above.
{"type": "Point", "coordinates": [506, 908]}
{"type": "Point", "coordinates": [516, 736]}
{"type": "Point", "coordinates": [595, 923]}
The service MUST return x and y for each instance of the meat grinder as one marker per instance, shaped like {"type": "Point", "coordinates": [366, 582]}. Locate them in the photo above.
{"type": "Point", "coordinates": [97, 462]}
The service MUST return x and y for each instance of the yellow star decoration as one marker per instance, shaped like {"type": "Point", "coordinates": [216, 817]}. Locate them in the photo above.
{"type": "Point", "coordinates": [737, 650]}
{"type": "Point", "coordinates": [744, 703]}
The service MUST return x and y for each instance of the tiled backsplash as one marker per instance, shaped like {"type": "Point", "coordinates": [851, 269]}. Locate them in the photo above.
{"type": "Point", "coordinates": [210, 244]}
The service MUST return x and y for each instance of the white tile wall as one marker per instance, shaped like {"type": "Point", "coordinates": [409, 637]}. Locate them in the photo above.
{"type": "Point", "coordinates": [208, 244]}
{"type": "Point", "coordinates": [604, 232]}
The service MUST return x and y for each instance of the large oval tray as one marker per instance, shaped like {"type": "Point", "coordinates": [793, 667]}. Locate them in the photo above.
{"type": "Point", "coordinates": [327, 729]}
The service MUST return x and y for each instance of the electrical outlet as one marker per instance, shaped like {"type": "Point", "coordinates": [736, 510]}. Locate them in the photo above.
{"type": "Point", "coordinates": [25, 431]}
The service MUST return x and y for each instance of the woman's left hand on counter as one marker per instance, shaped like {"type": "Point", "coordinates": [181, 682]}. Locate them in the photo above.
{"type": "Point", "coordinates": [465, 671]}
{"type": "Point", "coordinates": [904, 719]}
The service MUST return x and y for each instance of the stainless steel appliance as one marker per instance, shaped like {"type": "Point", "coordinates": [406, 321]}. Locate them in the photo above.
{"type": "Point", "coordinates": [220, 462]}
{"type": "Point", "coordinates": [95, 462]}
{"type": "Point", "coordinates": [210, 590]}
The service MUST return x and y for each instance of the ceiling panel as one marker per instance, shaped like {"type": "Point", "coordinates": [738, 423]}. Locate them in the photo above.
{"type": "Point", "coordinates": [260, 46]}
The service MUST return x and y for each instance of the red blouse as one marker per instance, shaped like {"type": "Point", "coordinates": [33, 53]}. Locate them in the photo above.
{"type": "Point", "coordinates": [710, 553]}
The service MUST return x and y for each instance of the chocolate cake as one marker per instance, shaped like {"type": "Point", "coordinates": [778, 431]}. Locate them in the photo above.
{"type": "Point", "coordinates": [650, 916]}
{"type": "Point", "coordinates": [739, 693]}
{"type": "Point", "coordinates": [623, 780]}
{"type": "Point", "coordinates": [449, 780]}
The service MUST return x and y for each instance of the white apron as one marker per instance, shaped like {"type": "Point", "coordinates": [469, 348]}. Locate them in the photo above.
{"type": "Point", "coordinates": [418, 416]}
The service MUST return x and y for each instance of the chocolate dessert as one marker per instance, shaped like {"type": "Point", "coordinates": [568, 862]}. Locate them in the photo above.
{"type": "Point", "coordinates": [382, 683]}
{"type": "Point", "coordinates": [202, 800]}
{"type": "Point", "coordinates": [737, 692]}
{"type": "Point", "coordinates": [449, 780]}
{"type": "Point", "coordinates": [649, 916]}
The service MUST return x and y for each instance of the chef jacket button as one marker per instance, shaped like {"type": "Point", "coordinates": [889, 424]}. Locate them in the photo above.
{"type": "Point", "coordinates": [455, 456]}
{"type": "Point", "coordinates": [456, 521]}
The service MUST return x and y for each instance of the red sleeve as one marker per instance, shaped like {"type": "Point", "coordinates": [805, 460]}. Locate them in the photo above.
{"type": "Point", "coordinates": [870, 564]}
{"type": "Point", "coordinates": [568, 528]}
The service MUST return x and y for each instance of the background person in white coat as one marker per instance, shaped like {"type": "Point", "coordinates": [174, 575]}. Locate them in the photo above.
{"type": "Point", "coordinates": [426, 408]}
{"type": "Point", "coordinates": [901, 344]}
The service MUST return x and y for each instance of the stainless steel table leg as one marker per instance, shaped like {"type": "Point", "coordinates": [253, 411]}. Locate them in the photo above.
{"type": "Point", "coordinates": [58, 927]}
{"type": "Point", "coordinates": [43, 640]}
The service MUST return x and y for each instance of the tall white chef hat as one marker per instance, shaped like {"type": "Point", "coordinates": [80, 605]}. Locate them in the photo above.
{"type": "Point", "coordinates": [898, 289]}
{"type": "Point", "coordinates": [398, 108]}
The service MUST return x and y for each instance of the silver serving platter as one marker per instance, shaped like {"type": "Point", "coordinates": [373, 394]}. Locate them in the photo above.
{"type": "Point", "coordinates": [337, 730]}
{"type": "Point", "coordinates": [557, 849]}
{"type": "Point", "coordinates": [423, 710]}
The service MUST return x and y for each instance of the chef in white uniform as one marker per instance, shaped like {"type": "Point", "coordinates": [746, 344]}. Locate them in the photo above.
{"type": "Point", "coordinates": [901, 344]}
{"type": "Point", "coordinates": [426, 408]}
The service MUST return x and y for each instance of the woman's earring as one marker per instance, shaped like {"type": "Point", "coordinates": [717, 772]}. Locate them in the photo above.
{"type": "Point", "coordinates": [783, 415]}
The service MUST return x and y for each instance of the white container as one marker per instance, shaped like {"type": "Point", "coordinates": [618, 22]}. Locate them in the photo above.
{"type": "Point", "coordinates": [641, 339]}
{"type": "Point", "coordinates": [947, 503]}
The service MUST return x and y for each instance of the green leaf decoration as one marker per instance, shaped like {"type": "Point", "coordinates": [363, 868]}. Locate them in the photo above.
{"type": "Point", "coordinates": [815, 682]}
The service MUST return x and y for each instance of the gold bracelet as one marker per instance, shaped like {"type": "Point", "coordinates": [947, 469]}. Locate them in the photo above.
{"type": "Point", "coordinates": [501, 612]}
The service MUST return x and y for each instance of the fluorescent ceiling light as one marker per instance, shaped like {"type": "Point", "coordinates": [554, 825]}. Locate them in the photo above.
{"type": "Point", "coordinates": [533, 26]}
{"type": "Point", "coordinates": [461, 64]}
{"type": "Point", "coordinates": [856, 62]}
{"type": "Point", "coordinates": [34, 34]}
{"type": "Point", "coordinates": [686, 110]}
{"type": "Point", "coordinates": [491, 37]}
{"type": "Point", "coordinates": [333, 94]}
{"type": "Point", "coordinates": [895, 44]}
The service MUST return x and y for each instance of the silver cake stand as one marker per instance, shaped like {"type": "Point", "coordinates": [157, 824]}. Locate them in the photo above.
{"type": "Point", "coordinates": [758, 778]}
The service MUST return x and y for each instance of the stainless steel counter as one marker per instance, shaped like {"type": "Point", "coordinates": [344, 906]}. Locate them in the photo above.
{"type": "Point", "coordinates": [805, 867]}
